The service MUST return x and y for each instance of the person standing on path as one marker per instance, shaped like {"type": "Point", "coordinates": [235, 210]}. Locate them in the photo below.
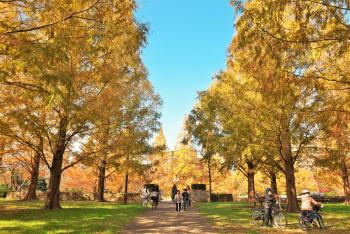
{"type": "Point", "coordinates": [173, 192]}
{"type": "Point", "coordinates": [178, 200]}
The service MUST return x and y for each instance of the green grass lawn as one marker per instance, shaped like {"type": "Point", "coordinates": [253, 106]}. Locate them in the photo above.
{"type": "Point", "coordinates": [234, 217]}
{"type": "Point", "coordinates": [75, 217]}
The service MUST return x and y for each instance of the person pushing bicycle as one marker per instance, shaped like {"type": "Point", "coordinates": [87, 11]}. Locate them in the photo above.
{"type": "Point", "coordinates": [270, 201]}
{"type": "Point", "coordinates": [186, 199]}
{"type": "Point", "coordinates": [145, 196]}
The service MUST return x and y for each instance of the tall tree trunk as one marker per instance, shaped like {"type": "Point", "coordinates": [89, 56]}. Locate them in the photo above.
{"type": "Point", "coordinates": [53, 193]}
{"type": "Point", "coordinates": [273, 179]}
{"type": "Point", "coordinates": [251, 185]}
{"type": "Point", "coordinates": [126, 188]}
{"type": "Point", "coordinates": [101, 181]}
{"type": "Point", "coordinates": [2, 149]}
{"type": "Point", "coordinates": [346, 184]}
{"type": "Point", "coordinates": [288, 159]}
{"type": "Point", "coordinates": [94, 190]}
{"type": "Point", "coordinates": [31, 194]}
{"type": "Point", "coordinates": [292, 201]}
{"type": "Point", "coordinates": [209, 174]}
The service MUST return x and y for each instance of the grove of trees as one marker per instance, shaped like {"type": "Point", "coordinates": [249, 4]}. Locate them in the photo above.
{"type": "Point", "coordinates": [73, 89]}
{"type": "Point", "coordinates": [77, 108]}
{"type": "Point", "coordinates": [283, 101]}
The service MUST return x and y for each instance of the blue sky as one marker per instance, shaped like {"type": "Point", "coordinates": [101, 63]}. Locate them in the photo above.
{"type": "Point", "coordinates": [187, 45]}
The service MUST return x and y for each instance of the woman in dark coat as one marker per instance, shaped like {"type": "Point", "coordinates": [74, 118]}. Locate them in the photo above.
{"type": "Point", "coordinates": [173, 192]}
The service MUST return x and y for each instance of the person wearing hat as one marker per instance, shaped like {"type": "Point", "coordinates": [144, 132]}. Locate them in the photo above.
{"type": "Point", "coordinates": [307, 203]}
{"type": "Point", "coordinates": [270, 201]}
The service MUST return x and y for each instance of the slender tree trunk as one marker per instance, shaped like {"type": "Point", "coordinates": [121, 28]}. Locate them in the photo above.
{"type": "Point", "coordinates": [126, 188]}
{"type": "Point", "coordinates": [251, 183]}
{"type": "Point", "coordinates": [31, 194]}
{"type": "Point", "coordinates": [292, 201]}
{"type": "Point", "coordinates": [288, 159]}
{"type": "Point", "coordinates": [273, 178]}
{"type": "Point", "coordinates": [101, 181]}
{"type": "Point", "coordinates": [346, 184]}
{"type": "Point", "coordinates": [209, 174]}
{"type": "Point", "coordinates": [94, 190]}
{"type": "Point", "coordinates": [53, 193]}
{"type": "Point", "coordinates": [2, 149]}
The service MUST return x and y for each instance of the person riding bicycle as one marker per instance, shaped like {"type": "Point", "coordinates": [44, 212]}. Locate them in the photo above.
{"type": "Point", "coordinates": [270, 201]}
{"type": "Point", "coordinates": [307, 204]}
{"type": "Point", "coordinates": [155, 196]}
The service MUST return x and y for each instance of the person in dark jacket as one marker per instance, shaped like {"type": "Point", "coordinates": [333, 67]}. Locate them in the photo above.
{"type": "Point", "coordinates": [173, 192]}
{"type": "Point", "coordinates": [270, 201]}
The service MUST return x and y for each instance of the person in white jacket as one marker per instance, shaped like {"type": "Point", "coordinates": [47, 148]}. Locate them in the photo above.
{"type": "Point", "coordinates": [178, 201]}
{"type": "Point", "coordinates": [307, 204]}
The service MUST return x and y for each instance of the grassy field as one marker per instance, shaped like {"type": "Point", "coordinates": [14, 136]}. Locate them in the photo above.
{"type": "Point", "coordinates": [235, 218]}
{"type": "Point", "coordinates": [76, 217]}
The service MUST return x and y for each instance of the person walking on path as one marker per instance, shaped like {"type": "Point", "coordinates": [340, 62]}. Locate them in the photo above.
{"type": "Point", "coordinates": [178, 201]}
{"type": "Point", "coordinates": [189, 195]}
{"type": "Point", "coordinates": [145, 196]}
{"type": "Point", "coordinates": [173, 192]}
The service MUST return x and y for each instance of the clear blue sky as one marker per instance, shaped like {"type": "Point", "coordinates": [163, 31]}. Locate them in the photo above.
{"type": "Point", "coordinates": [187, 45]}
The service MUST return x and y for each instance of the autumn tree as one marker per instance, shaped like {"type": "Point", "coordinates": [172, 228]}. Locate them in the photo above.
{"type": "Point", "coordinates": [63, 57]}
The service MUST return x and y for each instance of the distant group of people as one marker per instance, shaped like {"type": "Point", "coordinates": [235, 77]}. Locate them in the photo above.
{"type": "Point", "coordinates": [153, 195]}
{"type": "Point", "coordinates": [181, 200]}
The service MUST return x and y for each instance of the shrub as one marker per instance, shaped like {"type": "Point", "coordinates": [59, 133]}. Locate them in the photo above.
{"type": "Point", "coordinates": [221, 197]}
{"type": "Point", "coordinates": [42, 185]}
{"type": "Point", "coordinates": [198, 187]}
{"type": "Point", "coordinates": [3, 190]}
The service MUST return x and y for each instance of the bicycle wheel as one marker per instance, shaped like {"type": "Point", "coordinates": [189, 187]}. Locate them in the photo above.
{"type": "Point", "coordinates": [320, 222]}
{"type": "Point", "coordinates": [304, 225]}
{"type": "Point", "coordinates": [154, 206]}
{"type": "Point", "coordinates": [280, 220]}
{"type": "Point", "coordinates": [257, 218]}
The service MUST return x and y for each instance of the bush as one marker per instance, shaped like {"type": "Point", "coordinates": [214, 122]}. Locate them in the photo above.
{"type": "Point", "coordinates": [42, 185]}
{"type": "Point", "coordinates": [3, 190]}
{"type": "Point", "coordinates": [221, 197]}
{"type": "Point", "coordinates": [198, 187]}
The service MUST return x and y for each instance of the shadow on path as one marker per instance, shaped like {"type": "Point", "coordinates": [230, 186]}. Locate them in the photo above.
{"type": "Point", "coordinates": [166, 220]}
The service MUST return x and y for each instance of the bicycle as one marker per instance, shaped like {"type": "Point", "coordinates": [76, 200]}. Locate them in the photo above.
{"type": "Point", "coordinates": [154, 202]}
{"type": "Point", "coordinates": [186, 204]}
{"type": "Point", "coordinates": [313, 217]}
{"type": "Point", "coordinates": [145, 201]}
{"type": "Point", "coordinates": [279, 220]}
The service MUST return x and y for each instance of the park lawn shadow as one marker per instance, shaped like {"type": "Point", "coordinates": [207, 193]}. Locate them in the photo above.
{"type": "Point", "coordinates": [235, 217]}
{"type": "Point", "coordinates": [88, 218]}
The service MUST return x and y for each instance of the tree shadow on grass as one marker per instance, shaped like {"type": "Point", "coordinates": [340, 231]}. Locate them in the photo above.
{"type": "Point", "coordinates": [68, 220]}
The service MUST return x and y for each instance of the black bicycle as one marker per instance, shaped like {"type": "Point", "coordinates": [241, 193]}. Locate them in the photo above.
{"type": "Point", "coordinates": [313, 218]}
{"type": "Point", "coordinates": [154, 203]}
{"type": "Point", "coordinates": [279, 220]}
{"type": "Point", "coordinates": [186, 204]}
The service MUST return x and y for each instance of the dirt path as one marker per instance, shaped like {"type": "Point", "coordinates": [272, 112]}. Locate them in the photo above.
{"type": "Point", "coordinates": [166, 220]}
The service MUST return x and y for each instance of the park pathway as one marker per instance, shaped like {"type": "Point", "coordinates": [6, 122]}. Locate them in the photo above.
{"type": "Point", "coordinates": [166, 220]}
